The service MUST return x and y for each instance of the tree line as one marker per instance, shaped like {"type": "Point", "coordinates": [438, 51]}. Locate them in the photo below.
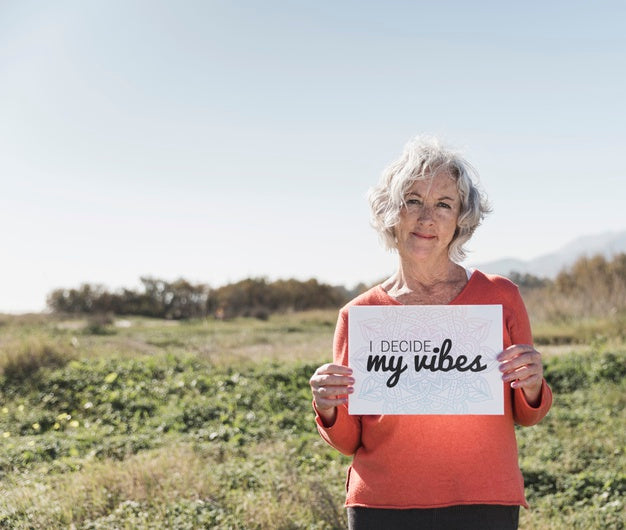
{"type": "Point", "coordinates": [181, 299]}
{"type": "Point", "coordinates": [593, 286]}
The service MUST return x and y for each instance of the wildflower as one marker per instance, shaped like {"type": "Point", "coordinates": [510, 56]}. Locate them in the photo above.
{"type": "Point", "coordinates": [31, 443]}
{"type": "Point", "coordinates": [56, 426]}
{"type": "Point", "coordinates": [6, 434]}
{"type": "Point", "coordinates": [111, 377]}
{"type": "Point", "coordinates": [20, 408]}
{"type": "Point", "coordinates": [64, 416]}
{"type": "Point", "coordinates": [88, 405]}
{"type": "Point", "coordinates": [36, 426]}
{"type": "Point", "coordinates": [5, 410]}
{"type": "Point", "coordinates": [74, 424]}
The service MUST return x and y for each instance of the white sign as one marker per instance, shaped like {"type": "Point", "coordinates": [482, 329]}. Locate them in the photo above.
{"type": "Point", "coordinates": [425, 359]}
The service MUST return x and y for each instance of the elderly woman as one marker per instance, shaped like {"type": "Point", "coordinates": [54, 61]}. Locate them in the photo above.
{"type": "Point", "coordinates": [433, 471]}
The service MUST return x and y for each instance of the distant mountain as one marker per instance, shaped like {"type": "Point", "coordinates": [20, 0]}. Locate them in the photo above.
{"type": "Point", "coordinates": [549, 265]}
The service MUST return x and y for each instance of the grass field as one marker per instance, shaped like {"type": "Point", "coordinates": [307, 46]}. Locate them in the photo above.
{"type": "Point", "coordinates": [144, 423]}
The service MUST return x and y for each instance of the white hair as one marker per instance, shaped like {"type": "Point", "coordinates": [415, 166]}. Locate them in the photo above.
{"type": "Point", "coordinates": [422, 158]}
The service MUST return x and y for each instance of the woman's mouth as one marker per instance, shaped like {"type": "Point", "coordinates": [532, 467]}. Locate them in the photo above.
{"type": "Point", "coordinates": [423, 236]}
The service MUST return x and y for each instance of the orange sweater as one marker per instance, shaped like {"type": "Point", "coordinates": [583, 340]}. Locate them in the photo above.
{"type": "Point", "coordinates": [430, 461]}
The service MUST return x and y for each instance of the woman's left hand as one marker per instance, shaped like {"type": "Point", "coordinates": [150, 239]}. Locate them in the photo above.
{"type": "Point", "coordinates": [521, 366]}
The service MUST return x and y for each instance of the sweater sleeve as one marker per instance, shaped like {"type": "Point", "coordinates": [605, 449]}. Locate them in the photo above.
{"type": "Point", "coordinates": [345, 433]}
{"type": "Point", "coordinates": [518, 326]}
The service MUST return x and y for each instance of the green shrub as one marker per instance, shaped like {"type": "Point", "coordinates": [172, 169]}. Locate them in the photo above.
{"type": "Point", "coordinates": [612, 367]}
{"type": "Point", "coordinates": [539, 482]}
{"type": "Point", "coordinates": [568, 373]}
{"type": "Point", "coordinates": [99, 324]}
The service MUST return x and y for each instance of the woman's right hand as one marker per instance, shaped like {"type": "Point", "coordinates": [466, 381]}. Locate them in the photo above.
{"type": "Point", "coordinates": [331, 384]}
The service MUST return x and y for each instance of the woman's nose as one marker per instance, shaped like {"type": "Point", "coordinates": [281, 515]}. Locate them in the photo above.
{"type": "Point", "coordinates": [425, 214]}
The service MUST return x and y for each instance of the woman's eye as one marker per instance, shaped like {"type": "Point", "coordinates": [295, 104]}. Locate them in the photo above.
{"type": "Point", "coordinates": [444, 205]}
{"type": "Point", "coordinates": [413, 202]}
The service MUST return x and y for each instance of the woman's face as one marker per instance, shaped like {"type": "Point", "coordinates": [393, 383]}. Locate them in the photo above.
{"type": "Point", "coordinates": [429, 219]}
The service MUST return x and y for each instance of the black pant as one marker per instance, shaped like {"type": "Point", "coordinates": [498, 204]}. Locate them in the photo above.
{"type": "Point", "coordinates": [470, 517]}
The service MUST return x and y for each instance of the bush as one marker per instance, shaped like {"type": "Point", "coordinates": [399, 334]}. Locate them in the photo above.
{"type": "Point", "coordinates": [22, 361]}
{"type": "Point", "coordinates": [612, 367]}
{"type": "Point", "coordinates": [98, 324]}
{"type": "Point", "coordinates": [539, 482]}
{"type": "Point", "coordinates": [592, 288]}
{"type": "Point", "coordinates": [575, 371]}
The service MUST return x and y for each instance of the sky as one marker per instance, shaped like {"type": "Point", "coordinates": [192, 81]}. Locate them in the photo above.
{"type": "Point", "coordinates": [220, 140]}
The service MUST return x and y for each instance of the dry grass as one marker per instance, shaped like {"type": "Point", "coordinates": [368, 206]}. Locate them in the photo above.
{"type": "Point", "coordinates": [158, 479]}
{"type": "Point", "coordinates": [150, 477]}
{"type": "Point", "coordinates": [19, 360]}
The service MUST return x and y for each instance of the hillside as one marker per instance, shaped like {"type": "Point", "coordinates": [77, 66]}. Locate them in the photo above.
{"type": "Point", "coordinates": [549, 265]}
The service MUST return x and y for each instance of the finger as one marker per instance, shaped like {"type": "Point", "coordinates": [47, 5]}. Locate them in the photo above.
{"type": "Point", "coordinates": [528, 358]}
{"type": "Point", "coordinates": [513, 351]}
{"type": "Point", "coordinates": [334, 369]}
{"type": "Point", "coordinates": [522, 373]}
{"type": "Point", "coordinates": [332, 391]}
{"type": "Point", "coordinates": [326, 404]}
{"type": "Point", "coordinates": [532, 382]}
{"type": "Point", "coordinates": [334, 380]}
{"type": "Point", "coordinates": [328, 397]}
{"type": "Point", "coordinates": [338, 381]}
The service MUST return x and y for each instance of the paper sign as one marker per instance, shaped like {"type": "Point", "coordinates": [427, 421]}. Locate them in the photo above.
{"type": "Point", "coordinates": [425, 359]}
